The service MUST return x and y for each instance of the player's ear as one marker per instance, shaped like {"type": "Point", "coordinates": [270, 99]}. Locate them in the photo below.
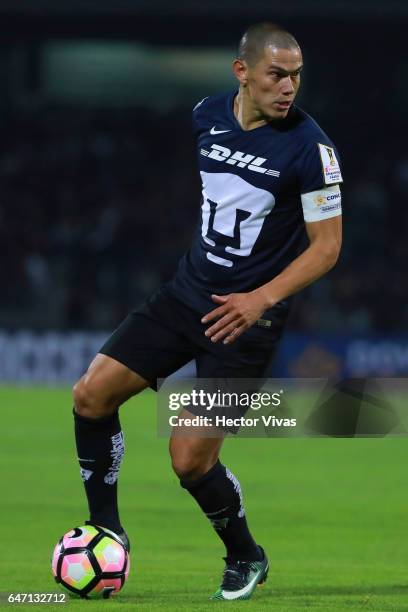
{"type": "Point", "coordinates": [240, 70]}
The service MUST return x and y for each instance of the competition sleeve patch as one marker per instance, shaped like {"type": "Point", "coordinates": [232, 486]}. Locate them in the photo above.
{"type": "Point", "coordinates": [321, 204]}
{"type": "Point", "coordinates": [330, 164]}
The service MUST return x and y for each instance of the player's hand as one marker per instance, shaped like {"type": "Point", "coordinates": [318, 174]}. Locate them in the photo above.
{"type": "Point", "coordinates": [235, 313]}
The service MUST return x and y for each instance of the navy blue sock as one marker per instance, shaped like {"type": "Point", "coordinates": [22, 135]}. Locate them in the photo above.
{"type": "Point", "coordinates": [219, 495]}
{"type": "Point", "coordinates": [100, 446]}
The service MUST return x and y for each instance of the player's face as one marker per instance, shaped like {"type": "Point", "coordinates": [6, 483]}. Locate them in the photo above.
{"type": "Point", "coordinates": [273, 82]}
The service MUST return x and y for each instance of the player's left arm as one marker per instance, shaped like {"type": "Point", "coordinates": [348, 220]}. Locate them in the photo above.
{"type": "Point", "coordinates": [238, 311]}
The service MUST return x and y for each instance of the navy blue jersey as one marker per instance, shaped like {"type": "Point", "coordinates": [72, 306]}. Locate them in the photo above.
{"type": "Point", "coordinates": [259, 187]}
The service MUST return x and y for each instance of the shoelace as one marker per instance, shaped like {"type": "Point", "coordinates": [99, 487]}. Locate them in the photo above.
{"type": "Point", "coordinates": [235, 575]}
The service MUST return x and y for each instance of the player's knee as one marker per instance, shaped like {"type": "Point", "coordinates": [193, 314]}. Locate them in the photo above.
{"type": "Point", "coordinates": [90, 401]}
{"type": "Point", "coordinates": [186, 468]}
{"type": "Point", "coordinates": [190, 466]}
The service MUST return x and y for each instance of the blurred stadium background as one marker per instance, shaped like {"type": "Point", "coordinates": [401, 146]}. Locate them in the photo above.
{"type": "Point", "coordinates": [99, 196]}
{"type": "Point", "coordinates": [99, 186]}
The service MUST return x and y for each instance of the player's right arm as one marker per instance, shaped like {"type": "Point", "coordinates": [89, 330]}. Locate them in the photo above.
{"type": "Point", "coordinates": [319, 176]}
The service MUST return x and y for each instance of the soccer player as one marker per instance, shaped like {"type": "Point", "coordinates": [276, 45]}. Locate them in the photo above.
{"type": "Point", "coordinates": [270, 178]}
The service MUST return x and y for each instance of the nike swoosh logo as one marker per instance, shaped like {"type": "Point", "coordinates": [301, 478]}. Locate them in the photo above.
{"type": "Point", "coordinates": [87, 460]}
{"type": "Point", "coordinates": [213, 131]}
{"type": "Point", "coordinates": [236, 594]}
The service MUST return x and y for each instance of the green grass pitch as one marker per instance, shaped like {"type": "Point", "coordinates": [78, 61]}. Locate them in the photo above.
{"type": "Point", "coordinates": [331, 513]}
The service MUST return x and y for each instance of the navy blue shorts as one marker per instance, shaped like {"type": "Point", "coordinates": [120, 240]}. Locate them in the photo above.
{"type": "Point", "coordinates": [165, 334]}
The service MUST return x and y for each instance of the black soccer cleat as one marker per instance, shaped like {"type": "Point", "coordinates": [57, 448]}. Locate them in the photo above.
{"type": "Point", "coordinates": [241, 578]}
{"type": "Point", "coordinates": [124, 539]}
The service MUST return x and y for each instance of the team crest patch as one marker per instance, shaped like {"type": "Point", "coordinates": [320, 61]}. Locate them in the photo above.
{"type": "Point", "coordinates": [331, 168]}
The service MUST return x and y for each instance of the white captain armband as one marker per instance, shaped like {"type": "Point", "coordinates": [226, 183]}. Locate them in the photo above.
{"type": "Point", "coordinates": [321, 204]}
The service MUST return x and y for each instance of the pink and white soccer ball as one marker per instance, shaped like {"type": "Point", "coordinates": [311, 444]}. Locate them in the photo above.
{"type": "Point", "coordinates": [90, 562]}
